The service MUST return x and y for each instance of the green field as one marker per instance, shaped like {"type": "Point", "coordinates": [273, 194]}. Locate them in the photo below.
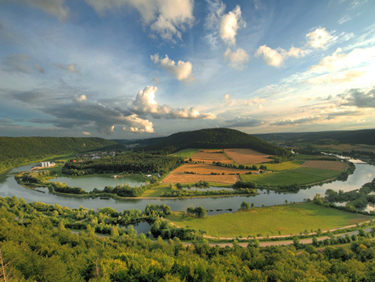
{"type": "Point", "coordinates": [187, 153]}
{"type": "Point", "coordinates": [288, 219]}
{"type": "Point", "coordinates": [300, 176]}
{"type": "Point", "coordinates": [283, 165]}
{"type": "Point", "coordinates": [156, 191]}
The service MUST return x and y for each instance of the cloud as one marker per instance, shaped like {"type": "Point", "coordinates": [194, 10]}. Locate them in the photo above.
{"type": "Point", "coordinates": [270, 56]}
{"type": "Point", "coordinates": [86, 133]}
{"type": "Point", "coordinates": [17, 63]}
{"type": "Point", "coordinates": [39, 68]}
{"type": "Point", "coordinates": [337, 78]}
{"type": "Point", "coordinates": [71, 67]}
{"type": "Point", "coordinates": [319, 38]}
{"type": "Point", "coordinates": [239, 102]}
{"type": "Point", "coordinates": [105, 118]}
{"type": "Point", "coordinates": [27, 97]}
{"type": "Point", "coordinates": [297, 121]}
{"type": "Point", "coordinates": [53, 7]}
{"type": "Point", "coordinates": [339, 61]}
{"type": "Point", "coordinates": [359, 98]}
{"type": "Point", "coordinates": [165, 17]}
{"type": "Point", "coordinates": [245, 122]}
{"type": "Point", "coordinates": [229, 24]}
{"type": "Point", "coordinates": [275, 58]}
{"type": "Point", "coordinates": [344, 19]}
{"type": "Point", "coordinates": [237, 59]}
{"type": "Point", "coordinates": [182, 70]}
{"type": "Point", "coordinates": [145, 103]}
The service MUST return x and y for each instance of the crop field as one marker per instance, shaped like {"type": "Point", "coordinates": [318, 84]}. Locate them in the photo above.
{"type": "Point", "coordinates": [286, 219]}
{"type": "Point", "coordinates": [207, 169]}
{"type": "Point", "coordinates": [185, 154]}
{"type": "Point", "coordinates": [299, 175]}
{"type": "Point", "coordinates": [330, 165]}
{"type": "Point", "coordinates": [180, 177]}
{"type": "Point", "coordinates": [284, 165]}
{"type": "Point", "coordinates": [208, 156]}
{"type": "Point", "coordinates": [247, 156]}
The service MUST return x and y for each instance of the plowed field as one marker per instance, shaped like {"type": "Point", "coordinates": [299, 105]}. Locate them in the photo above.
{"type": "Point", "coordinates": [247, 156]}
{"type": "Point", "coordinates": [208, 156]}
{"type": "Point", "coordinates": [207, 169]}
{"type": "Point", "coordinates": [180, 177]}
{"type": "Point", "coordinates": [329, 165]}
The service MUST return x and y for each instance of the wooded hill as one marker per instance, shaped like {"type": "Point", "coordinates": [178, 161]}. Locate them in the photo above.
{"type": "Point", "coordinates": [364, 136]}
{"type": "Point", "coordinates": [19, 150]}
{"type": "Point", "coordinates": [216, 138]}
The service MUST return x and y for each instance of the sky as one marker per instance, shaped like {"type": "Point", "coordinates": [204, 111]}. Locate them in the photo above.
{"type": "Point", "coordinates": [135, 69]}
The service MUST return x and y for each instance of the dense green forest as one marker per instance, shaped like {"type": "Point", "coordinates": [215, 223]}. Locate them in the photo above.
{"type": "Point", "coordinates": [216, 138]}
{"type": "Point", "coordinates": [36, 245]}
{"type": "Point", "coordinates": [20, 150]}
{"type": "Point", "coordinates": [364, 136]}
{"type": "Point", "coordinates": [129, 162]}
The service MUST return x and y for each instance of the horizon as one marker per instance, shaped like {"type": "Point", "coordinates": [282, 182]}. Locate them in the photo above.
{"type": "Point", "coordinates": [124, 69]}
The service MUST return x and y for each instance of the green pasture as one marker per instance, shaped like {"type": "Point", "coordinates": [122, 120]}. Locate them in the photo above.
{"type": "Point", "coordinates": [186, 153]}
{"type": "Point", "coordinates": [299, 175]}
{"type": "Point", "coordinates": [272, 221]}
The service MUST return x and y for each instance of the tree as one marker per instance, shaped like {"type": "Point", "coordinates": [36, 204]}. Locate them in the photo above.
{"type": "Point", "coordinates": [245, 206]}
{"type": "Point", "coordinates": [200, 212]}
{"type": "Point", "coordinates": [296, 241]}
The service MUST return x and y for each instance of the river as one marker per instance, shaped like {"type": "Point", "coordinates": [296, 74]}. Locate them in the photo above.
{"type": "Point", "coordinates": [9, 187]}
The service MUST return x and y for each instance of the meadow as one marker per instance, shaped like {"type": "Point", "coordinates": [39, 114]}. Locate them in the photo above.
{"type": "Point", "coordinates": [272, 221]}
{"type": "Point", "coordinates": [299, 175]}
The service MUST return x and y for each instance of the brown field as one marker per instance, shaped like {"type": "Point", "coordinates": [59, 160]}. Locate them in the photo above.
{"type": "Point", "coordinates": [178, 177]}
{"type": "Point", "coordinates": [208, 156]}
{"type": "Point", "coordinates": [330, 165]}
{"type": "Point", "coordinates": [247, 156]}
{"type": "Point", "coordinates": [203, 172]}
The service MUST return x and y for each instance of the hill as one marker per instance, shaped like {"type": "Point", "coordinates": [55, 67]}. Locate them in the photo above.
{"type": "Point", "coordinates": [215, 138]}
{"type": "Point", "coordinates": [20, 150]}
{"type": "Point", "coordinates": [364, 136]}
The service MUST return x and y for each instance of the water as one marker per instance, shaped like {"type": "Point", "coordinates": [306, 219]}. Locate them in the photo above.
{"type": "Point", "coordinates": [88, 183]}
{"type": "Point", "coordinates": [8, 187]}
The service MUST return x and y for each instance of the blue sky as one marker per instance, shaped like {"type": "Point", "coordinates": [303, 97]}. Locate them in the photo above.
{"type": "Point", "coordinates": [141, 69]}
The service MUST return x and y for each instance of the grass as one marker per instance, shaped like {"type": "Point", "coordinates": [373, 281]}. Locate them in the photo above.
{"type": "Point", "coordinates": [186, 153]}
{"type": "Point", "coordinates": [300, 176]}
{"type": "Point", "coordinates": [156, 191]}
{"type": "Point", "coordinates": [288, 219]}
{"type": "Point", "coordinates": [284, 165]}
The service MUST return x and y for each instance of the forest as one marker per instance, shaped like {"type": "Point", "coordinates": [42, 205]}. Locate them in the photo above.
{"type": "Point", "coordinates": [129, 162]}
{"type": "Point", "coordinates": [36, 245]}
{"type": "Point", "coordinates": [22, 150]}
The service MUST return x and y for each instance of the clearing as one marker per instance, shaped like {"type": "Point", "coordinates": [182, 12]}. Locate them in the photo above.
{"type": "Point", "coordinates": [288, 219]}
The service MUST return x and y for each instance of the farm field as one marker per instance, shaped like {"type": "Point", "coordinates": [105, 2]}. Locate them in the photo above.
{"type": "Point", "coordinates": [346, 147]}
{"type": "Point", "coordinates": [288, 219]}
{"type": "Point", "coordinates": [299, 175]}
{"type": "Point", "coordinates": [330, 165]}
{"type": "Point", "coordinates": [246, 156]}
{"type": "Point", "coordinates": [208, 156]}
{"type": "Point", "coordinates": [181, 177]}
{"type": "Point", "coordinates": [185, 154]}
{"type": "Point", "coordinates": [284, 165]}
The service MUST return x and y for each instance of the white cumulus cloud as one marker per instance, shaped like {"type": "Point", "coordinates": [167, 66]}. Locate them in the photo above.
{"type": "Point", "coordinates": [165, 17]}
{"type": "Point", "coordinates": [181, 70]}
{"type": "Point", "coordinates": [275, 58]}
{"type": "Point", "coordinates": [238, 58]}
{"type": "Point", "coordinates": [229, 25]}
{"type": "Point", "coordinates": [319, 38]}
{"type": "Point", "coordinates": [145, 103]}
